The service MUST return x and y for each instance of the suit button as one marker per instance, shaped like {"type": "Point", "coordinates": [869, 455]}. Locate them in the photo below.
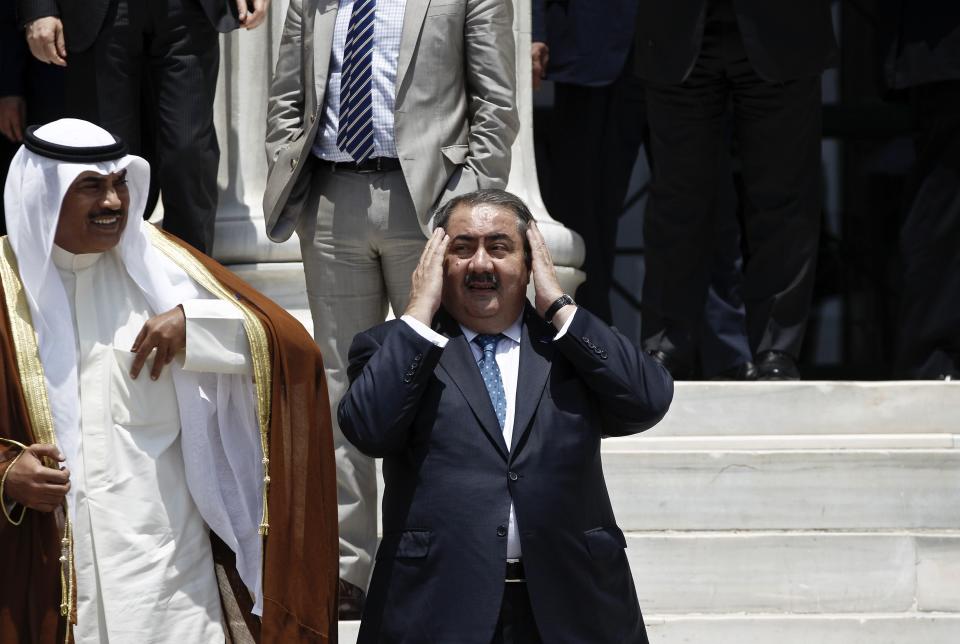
{"type": "Point", "coordinates": [293, 164]}
{"type": "Point", "coordinates": [513, 476]}
{"type": "Point", "coordinates": [417, 358]}
{"type": "Point", "coordinates": [407, 379]}
{"type": "Point", "coordinates": [603, 355]}
{"type": "Point", "coordinates": [586, 340]}
{"type": "Point", "coordinates": [501, 531]}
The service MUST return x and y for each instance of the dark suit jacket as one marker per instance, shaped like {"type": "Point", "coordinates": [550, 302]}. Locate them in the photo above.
{"type": "Point", "coordinates": [926, 47]}
{"type": "Point", "coordinates": [589, 39]}
{"type": "Point", "coordinates": [82, 19]}
{"type": "Point", "coordinates": [784, 39]}
{"type": "Point", "coordinates": [449, 480]}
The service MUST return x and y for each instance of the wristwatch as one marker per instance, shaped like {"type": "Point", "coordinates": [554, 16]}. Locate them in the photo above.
{"type": "Point", "coordinates": [558, 304]}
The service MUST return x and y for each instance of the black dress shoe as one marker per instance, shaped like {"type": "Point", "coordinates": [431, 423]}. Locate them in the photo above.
{"type": "Point", "coordinates": [350, 601]}
{"type": "Point", "coordinates": [677, 369]}
{"type": "Point", "coordinates": [743, 371]}
{"type": "Point", "coordinates": [776, 365]}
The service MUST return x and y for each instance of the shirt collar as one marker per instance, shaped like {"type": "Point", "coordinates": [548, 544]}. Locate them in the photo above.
{"type": "Point", "coordinates": [513, 331]}
{"type": "Point", "coordinates": [65, 260]}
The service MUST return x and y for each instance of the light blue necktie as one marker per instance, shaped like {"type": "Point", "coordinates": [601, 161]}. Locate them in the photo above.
{"type": "Point", "coordinates": [491, 374]}
{"type": "Point", "coordinates": [355, 130]}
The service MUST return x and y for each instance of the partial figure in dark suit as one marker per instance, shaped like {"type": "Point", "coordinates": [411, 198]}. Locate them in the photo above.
{"type": "Point", "coordinates": [146, 70]}
{"type": "Point", "coordinates": [767, 57]}
{"type": "Point", "coordinates": [30, 92]}
{"type": "Point", "coordinates": [488, 412]}
{"type": "Point", "coordinates": [925, 60]}
{"type": "Point", "coordinates": [596, 125]}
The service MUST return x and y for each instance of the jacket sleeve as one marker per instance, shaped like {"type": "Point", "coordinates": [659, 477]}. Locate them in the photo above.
{"type": "Point", "coordinates": [30, 10]}
{"type": "Point", "coordinates": [538, 9]}
{"type": "Point", "coordinates": [491, 79]}
{"type": "Point", "coordinates": [633, 391]}
{"type": "Point", "coordinates": [390, 368]}
{"type": "Point", "coordinates": [285, 103]}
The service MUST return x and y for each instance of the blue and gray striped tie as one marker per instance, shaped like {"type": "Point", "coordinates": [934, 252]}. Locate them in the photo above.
{"type": "Point", "coordinates": [355, 131]}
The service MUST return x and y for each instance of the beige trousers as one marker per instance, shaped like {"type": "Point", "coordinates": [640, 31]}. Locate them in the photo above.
{"type": "Point", "coordinates": [359, 251]}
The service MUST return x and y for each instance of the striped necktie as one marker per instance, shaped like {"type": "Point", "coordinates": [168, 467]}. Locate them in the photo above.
{"type": "Point", "coordinates": [355, 131]}
{"type": "Point", "coordinates": [490, 371]}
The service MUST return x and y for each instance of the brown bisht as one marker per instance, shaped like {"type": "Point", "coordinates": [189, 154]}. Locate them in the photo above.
{"type": "Point", "coordinates": [300, 547]}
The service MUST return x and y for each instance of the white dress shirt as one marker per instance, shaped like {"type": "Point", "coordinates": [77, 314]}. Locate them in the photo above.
{"type": "Point", "coordinates": [508, 359]}
{"type": "Point", "coordinates": [144, 566]}
{"type": "Point", "coordinates": [387, 27]}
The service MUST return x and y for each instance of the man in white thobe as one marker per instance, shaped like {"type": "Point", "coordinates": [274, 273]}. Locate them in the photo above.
{"type": "Point", "coordinates": [151, 398]}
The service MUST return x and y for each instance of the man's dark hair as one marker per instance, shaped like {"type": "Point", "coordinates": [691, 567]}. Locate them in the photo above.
{"type": "Point", "coordinates": [490, 197]}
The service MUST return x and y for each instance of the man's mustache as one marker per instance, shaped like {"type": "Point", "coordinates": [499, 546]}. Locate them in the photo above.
{"type": "Point", "coordinates": [484, 279]}
{"type": "Point", "coordinates": [105, 212]}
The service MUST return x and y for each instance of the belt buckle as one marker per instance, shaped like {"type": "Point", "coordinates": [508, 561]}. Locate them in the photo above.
{"type": "Point", "coordinates": [371, 168]}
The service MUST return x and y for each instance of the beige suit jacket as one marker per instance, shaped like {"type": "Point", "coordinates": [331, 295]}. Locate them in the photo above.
{"type": "Point", "coordinates": [455, 114]}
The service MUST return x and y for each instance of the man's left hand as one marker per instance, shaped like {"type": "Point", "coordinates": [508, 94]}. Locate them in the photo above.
{"type": "Point", "coordinates": [546, 286]}
{"type": "Point", "coordinates": [252, 12]}
{"type": "Point", "coordinates": [167, 333]}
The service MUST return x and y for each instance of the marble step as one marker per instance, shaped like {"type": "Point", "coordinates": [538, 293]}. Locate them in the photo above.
{"type": "Point", "coordinates": [801, 408]}
{"type": "Point", "coordinates": [872, 628]}
{"type": "Point", "coordinates": [822, 490]}
{"type": "Point", "coordinates": [796, 572]}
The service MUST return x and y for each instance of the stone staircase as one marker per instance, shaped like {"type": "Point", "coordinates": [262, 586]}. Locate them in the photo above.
{"type": "Point", "coordinates": [788, 513]}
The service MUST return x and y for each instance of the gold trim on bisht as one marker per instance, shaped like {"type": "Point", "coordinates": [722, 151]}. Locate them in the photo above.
{"type": "Point", "coordinates": [256, 336]}
{"type": "Point", "coordinates": [34, 387]}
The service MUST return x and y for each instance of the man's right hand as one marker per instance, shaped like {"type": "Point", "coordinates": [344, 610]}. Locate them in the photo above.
{"type": "Point", "coordinates": [34, 485]}
{"type": "Point", "coordinates": [45, 37]}
{"type": "Point", "coordinates": [427, 281]}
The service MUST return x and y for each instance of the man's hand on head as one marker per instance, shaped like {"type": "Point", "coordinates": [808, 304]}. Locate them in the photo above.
{"type": "Point", "coordinates": [45, 38]}
{"type": "Point", "coordinates": [540, 56]}
{"type": "Point", "coordinates": [13, 115]}
{"type": "Point", "coordinates": [34, 485]}
{"type": "Point", "coordinates": [252, 12]}
{"type": "Point", "coordinates": [427, 280]}
{"type": "Point", "coordinates": [546, 286]}
{"type": "Point", "coordinates": [167, 333]}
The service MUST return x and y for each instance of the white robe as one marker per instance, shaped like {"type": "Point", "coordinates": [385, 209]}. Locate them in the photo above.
{"type": "Point", "coordinates": [142, 551]}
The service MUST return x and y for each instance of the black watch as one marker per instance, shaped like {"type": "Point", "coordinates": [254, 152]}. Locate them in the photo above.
{"type": "Point", "coordinates": [558, 304]}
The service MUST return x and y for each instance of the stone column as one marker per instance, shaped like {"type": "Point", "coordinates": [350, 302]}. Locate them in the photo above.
{"type": "Point", "coordinates": [246, 67]}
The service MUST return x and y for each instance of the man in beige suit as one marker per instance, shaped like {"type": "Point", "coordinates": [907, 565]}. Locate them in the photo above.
{"type": "Point", "coordinates": [380, 110]}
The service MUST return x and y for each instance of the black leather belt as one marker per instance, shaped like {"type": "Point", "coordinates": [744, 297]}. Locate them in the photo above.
{"type": "Point", "coordinates": [515, 573]}
{"type": "Point", "coordinates": [378, 164]}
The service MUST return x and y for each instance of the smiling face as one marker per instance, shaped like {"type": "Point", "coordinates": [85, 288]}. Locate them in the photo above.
{"type": "Point", "coordinates": [485, 271]}
{"type": "Point", "coordinates": [93, 213]}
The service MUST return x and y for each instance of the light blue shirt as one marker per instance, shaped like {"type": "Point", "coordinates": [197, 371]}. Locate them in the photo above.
{"type": "Point", "coordinates": [387, 27]}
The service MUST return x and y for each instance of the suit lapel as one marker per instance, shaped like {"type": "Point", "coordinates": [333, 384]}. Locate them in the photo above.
{"type": "Point", "coordinates": [413, 16]}
{"type": "Point", "coordinates": [535, 353]}
{"type": "Point", "coordinates": [458, 362]}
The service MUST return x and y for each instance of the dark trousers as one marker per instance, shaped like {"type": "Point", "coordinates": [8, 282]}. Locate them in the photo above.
{"type": "Point", "coordinates": [150, 78]}
{"type": "Point", "coordinates": [929, 344]}
{"type": "Point", "coordinates": [777, 130]}
{"type": "Point", "coordinates": [516, 624]}
{"type": "Point", "coordinates": [596, 136]}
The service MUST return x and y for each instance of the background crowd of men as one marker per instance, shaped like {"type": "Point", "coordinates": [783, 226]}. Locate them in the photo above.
{"type": "Point", "coordinates": [382, 110]}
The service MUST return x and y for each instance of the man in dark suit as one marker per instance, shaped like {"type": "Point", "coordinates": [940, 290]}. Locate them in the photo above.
{"type": "Point", "coordinates": [596, 125]}
{"type": "Point", "coordinates": [488, 412]}
{"type": "Point", "coordinates": [30, 92]}
{"type": "Point", "coordinates": [147, 71]}
{"type": "Point", "coordinates": [766, 57]}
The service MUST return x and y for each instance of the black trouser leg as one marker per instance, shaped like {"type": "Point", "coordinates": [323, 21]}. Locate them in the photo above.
{"type": "Point", "coordinates": [778, 131]}
{"type": "Point", "coordinates": [184, 57]}
{"type": "Point", "coordinates": [516, 624]}
{"type": "Point", "coordinates": [597, 133]}
{"type": "Point", "coordinates": [686, 140]}
{"type": "Point", "coordinates": [929, 344]}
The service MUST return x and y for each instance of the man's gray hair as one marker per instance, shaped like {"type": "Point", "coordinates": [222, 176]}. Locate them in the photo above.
{"type": "Point", "coordinates": [490, 197]}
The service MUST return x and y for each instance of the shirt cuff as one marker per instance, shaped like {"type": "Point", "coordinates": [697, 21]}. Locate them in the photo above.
{"type": "Point", "coordinates": [216, 339]}
{"type": "Point", "coordinates": [566, 325]}
{"type": "Point", "coordinates": [424, 331]}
